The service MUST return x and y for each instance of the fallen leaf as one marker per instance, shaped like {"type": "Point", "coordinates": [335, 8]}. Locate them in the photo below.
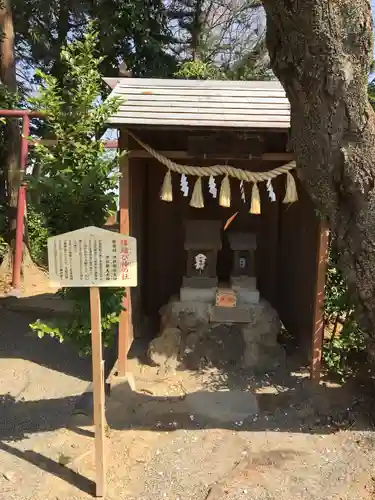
{"type": "Point", "coordinates": [230, 220]}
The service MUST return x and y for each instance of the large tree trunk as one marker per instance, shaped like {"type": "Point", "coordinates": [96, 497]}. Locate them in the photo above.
{"type": "Point", "coordinates": [321, 51]}
{"type": "Point", "coordinates": [12, 132]}
{"type": "Point", "coordinates": [63, 26]}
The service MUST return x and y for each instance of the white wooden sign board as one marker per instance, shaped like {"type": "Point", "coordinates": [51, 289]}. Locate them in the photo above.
{"type": "Point", "coordinates": [92, 257]}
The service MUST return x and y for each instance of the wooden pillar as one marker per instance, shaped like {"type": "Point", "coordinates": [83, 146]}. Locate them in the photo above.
{"type": "Point", "coordinates": [318, 322]}
{"type": "Point", "coordinates": [125, 334]}
{"type": "Point", "coordinates": [99, 397]}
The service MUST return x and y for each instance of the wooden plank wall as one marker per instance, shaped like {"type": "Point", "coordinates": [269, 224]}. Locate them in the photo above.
{"type": "Point", "coordinates": [137, 169]}
{"type": "Point", "coordinates": [297, 267]}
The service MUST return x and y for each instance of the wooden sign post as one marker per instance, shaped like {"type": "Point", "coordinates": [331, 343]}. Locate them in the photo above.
{"type": "Point", "coordinates": [94, 257]}
{"type": "Point", "coordinates": [99, 394]}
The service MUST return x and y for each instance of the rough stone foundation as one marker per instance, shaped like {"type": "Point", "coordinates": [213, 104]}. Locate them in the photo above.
{"type": "Point", "coordinates": [190, 339]}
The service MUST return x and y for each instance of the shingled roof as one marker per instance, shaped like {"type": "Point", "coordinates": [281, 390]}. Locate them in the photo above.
{"type": "Point", "coordinates": [200, 103]}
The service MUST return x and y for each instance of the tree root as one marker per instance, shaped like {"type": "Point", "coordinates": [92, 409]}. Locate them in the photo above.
{"type": "Point", "coordinates": [6, 265]}
{"type": "Point", "coordinates": [30, 271]}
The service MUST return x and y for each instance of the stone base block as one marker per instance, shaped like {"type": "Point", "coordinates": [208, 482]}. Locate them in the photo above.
{"type": "Point", "coordinates": [249, 282]}
{"type": "Point", "coordinates": [230, 314]}
{"type": "Point", "coordinates": [190, 294]}
{"type": "Point", "coordinates": [247, 296]}
{"type": "Point", "coordinates": [195, 282]}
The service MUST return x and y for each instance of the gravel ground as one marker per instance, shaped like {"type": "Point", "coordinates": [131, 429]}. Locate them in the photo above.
{"type": "Point", "coordinates": [40, 381]}
{"type": "Point", "coordinates": [174, 438]}
{"type": "Point", "coordinates": [218, 464]}
{"type": "Point", "coordinates": [302, 445]}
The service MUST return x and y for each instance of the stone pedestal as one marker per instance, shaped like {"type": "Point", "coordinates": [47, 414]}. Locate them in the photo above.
{"type": "Point", "coordinates": [191, 294]}
{"type": "Point", "coordinates": [211, 325]}
{"type": "Point", "coordinates": [249, 282]}
{"type": "Point", "coordinates": [195, 282]}
{"type": "Point", "coordinates": [246, 296]}
{"type": "Point", "coordinates": [229, 315]}
{"type": "Point", "coordinates": [245, 288]}
{"type": "Point", "coordinates": [197, 334]}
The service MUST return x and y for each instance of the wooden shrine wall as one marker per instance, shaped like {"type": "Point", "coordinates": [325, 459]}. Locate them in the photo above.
{"type": "Point", "coordinates": [138, 223]}
{"type": "Point", "coordinates": [297, 267]}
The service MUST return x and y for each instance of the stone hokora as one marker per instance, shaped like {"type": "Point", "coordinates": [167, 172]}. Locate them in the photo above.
{"type": "Point", "coordinates": [202, 243]}
{"type": "Point", "coordinates": [243, 277]}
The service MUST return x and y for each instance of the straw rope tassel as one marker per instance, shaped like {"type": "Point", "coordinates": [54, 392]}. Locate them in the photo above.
{"type": "Point", "coordinates": [197, 196]}
{"type": "Point", "coordinates": [166, 193]}
{"type": "Point", "coordinates": [224, 199]}
{"type": "Point", "coordinates": [255, 200]}
{"type": "Point", "coordinates": [291, 194]}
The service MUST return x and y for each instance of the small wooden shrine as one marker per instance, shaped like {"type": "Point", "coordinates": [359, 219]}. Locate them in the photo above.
{"type": "Point", "coordinates": [217, 151]}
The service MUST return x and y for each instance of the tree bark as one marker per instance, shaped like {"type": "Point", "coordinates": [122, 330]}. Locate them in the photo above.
{"type": "Point", "coordinates": [321, 52]}
{"type": "Point", "coordinates": [196, 30]}
{"type": "Point", "coordinates": [12, 131]}
{"type": "Point", "coordinates": [63, 26]}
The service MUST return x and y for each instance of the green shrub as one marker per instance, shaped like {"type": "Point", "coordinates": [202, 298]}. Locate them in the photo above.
{"type": "Point", "coordinates": [38, 234]}
{"type": "Point", "coordinates": [339, 310]}
{"type": "Point", "coordinates": [78, 329]}
{"type": "Point", "coordinates": [77, 186]}
{"type": "Point", "coordinates": [3, 248]}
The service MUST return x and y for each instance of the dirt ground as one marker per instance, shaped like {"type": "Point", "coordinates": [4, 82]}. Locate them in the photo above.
{"type": "Point", "coordinates": [210, 435]}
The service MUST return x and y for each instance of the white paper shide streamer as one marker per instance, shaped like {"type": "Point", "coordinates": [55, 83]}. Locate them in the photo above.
{"type": "Point", "coordinates": [271, 192]}
{"type": "Point", "coordinates": [212, 186]}
{"type": "Point", "coordinates": [184, 185]}
{"type": "Point", "coordinates": [243, 194]}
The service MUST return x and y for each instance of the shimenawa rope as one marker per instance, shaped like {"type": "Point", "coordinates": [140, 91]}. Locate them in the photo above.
{"type": "Point", "coordinates": [226, 170]}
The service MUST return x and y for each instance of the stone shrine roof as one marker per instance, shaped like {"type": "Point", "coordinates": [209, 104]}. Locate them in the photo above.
{"type": "Point", "coordinates": [242, 241]}
{"type": "Point", "coordinates": [203, 235]}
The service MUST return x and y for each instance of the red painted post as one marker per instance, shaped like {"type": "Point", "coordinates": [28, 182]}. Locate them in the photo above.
{"type": "Point", "coordinates": [21, 205]}
{"type": "Point", "coordinates": [21, 202]}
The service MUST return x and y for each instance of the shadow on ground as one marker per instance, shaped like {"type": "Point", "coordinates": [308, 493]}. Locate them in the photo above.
{"type": "Point", "coordinates": [296, 406]}
{"type": "Point", "coordinates": [18, 341]}
{"type": "Point", "coordinates": [52, 467]}
{"type": "Point", "coordinates": [292, 406]}
{"type": "Point", "coordinates": [283, 401]}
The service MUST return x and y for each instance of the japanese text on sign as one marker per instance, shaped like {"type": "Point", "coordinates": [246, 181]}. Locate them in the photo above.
{"type": "Point", "coordinates": [92, 257]}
